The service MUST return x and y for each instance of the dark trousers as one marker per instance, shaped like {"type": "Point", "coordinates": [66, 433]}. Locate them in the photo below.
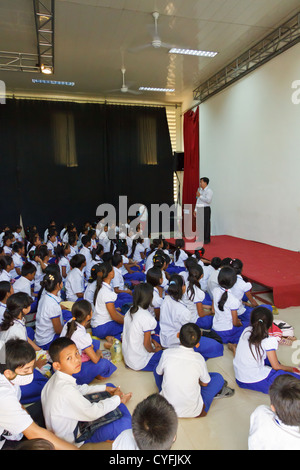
{"type": "Point", "coordinates": [203, 224]}
{"type": "Point", "coordinates": [207, 214]}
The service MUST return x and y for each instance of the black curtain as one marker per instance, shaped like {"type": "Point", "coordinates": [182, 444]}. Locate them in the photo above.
{"type": "Point", "coordinates": [61, 160]}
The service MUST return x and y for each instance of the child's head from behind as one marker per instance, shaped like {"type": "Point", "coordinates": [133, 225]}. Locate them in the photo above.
{"type": "Point", "coordinates": [176, 287]}
{"type": "Point", "coordinates": [154, 423]}
{"type": "Point", "coordinates": [65, 356]}
{"type": "Point", "coordinates": [154, 276]}
{"type": "Point", "coordinates": [190, 335]}
{"type": "Point", "coordinates": [142, 297]}
{"type": "Point", "coordinates": [285, 399]}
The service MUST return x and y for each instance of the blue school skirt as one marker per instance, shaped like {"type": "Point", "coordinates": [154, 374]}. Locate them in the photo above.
{"type": "Point", "coordinates": [173, 269]}
{"type": "Point", "coordinates": [32, 392]}
{"type": "Point", "coordinates": [152, 364]}
{"type": "Point", "coordinates": [110, 328]}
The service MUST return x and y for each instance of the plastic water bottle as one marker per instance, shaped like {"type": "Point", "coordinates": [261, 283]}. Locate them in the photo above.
{"type": "Point", "coordinates": [116, 351]}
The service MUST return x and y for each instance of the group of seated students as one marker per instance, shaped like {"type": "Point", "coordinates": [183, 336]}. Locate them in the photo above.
{"type": "Point", "coordinates": [170, 309]}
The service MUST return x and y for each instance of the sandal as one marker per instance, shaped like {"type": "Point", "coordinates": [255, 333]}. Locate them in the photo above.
{"type": "Point", "coordinates": [225, 392]}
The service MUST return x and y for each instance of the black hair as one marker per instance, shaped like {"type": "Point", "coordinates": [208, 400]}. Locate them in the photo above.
{"type": "Point", "coordinates": [18, 353]}
{"type": "Point", "coordinates": [41, 251]}
{"type": "Point", "coordinates": [28, 268]}
{"type": "Point", "coordinates": [227, 278]}
{"type": "Point", "coordinates": [190, 261]}
{"type": "Point", "coordinates": [96, 268]}
{"type": "Point", "coordinates": [158, 259]}
{"type": "Point", "coordinates": [77, 260]}
{"type": "Point", "coordinates": [116, 259]}
{"type": "Point", "coordinates": [14, 306]}
{"type": "Point", "coordinates": [50, 281]}
{"type": "Point", "coordinates": [175, 286]}
{"type": "Point", "coordinates": [154, 423]}
{"type": "Point", "coordinates": [195, 273]}
{"type": "Point", "coordinates": [59, 251]}
{"type": "Point", "coordinates": [216, 262]}
{"type": "Point", "coordinates": [226, 261]}
{"type": "Point", "coordinates": [5, 261]}
{"type": "Point", "coordinates": [17, 246]}
{"type": "Point", "coordinates": [261, 321]}
{"type": "Point", "coordinates": [59, 345]}
{"type": "Point", "coordinates": [134, 243]}
{"type": "Point", "coordinates": [96, 251]}
{"type": "Point", "coordinates": [189, 335]}
{"type": "Point", "coordinates": [154, 245]}
{"type": "Point", "coordinates": [285, 397]}
{"type": "Point", "coordinates": [154, 276]}
{"type": "Point", "coordinates": [72, 238]}
{"type": "Point", "coordinates": [205, 179]}
{"type": "Point", "coordinates": [104, 270]}
{"type": "Point", "coordinates": [107, 257]}
{"type": "Point", "coordinates": [199, 253]}
{"type": "Point", "coordinates": [80, 310]}
{"type": "Point", "coordinates": [179, 244]}
{"type": "Point", "coordinates": [85, 239]}
{"type": "Point", "coordinates": [142, 297]}
{"type": "Point", "coordinates": [5, 287]}
{"type": "Point", "coordinates": [52, 231]}
{"type": "Point", "coordinates": [237, 265]}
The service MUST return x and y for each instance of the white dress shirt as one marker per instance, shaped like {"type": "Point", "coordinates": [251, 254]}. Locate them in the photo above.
{"type": "Point", "coordinates": [205, 198]}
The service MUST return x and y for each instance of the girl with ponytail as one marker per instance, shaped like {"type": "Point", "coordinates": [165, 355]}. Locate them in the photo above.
{"type": "Point", "coordinates": [180, 256]}
{"type": "Point", "coordinates": [140, 350]}
{"type": "Point", "coordinates": [49, 316]}
{"type": "Point", "coordinates": [226, 322]}
{"type": "Point", "coordinates": [93, 366]}
{"type": "Point", "coordinates": [174, 314]}
{"type": "Point", "coordinates": [107, 321]}
{"type": "Point", "coordinates": [256, 365]}
{"type": "Point", "coordinates": [194, 298]}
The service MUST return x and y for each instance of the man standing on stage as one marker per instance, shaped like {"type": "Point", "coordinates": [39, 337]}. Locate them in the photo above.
{"type": "Point", "coordinates": [204, 197]}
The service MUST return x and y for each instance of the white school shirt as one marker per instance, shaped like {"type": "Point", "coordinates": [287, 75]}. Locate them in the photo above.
{"type": "Point", "coordinates": [267, 432]}
{"type": "Point", "coordinates": [181, 259]}
{"type": "Point", "coordinates": [73, 252]}
{"type": "Point", "coordinates": [149, 260]}
{"type": "Point", "coordinates": [74, 284]}
{"type": "Point", "coordinates": [173, 315]}
{"type": "Point", "coordinates": [18, 236]}
{"type": "Point", "coordinates": [249, 369]}
{"type": "Point", "coordinates": [51, 247]}
{"type": "Point", "coordinates": [2, 310]}
{"type": "Point", "coordinates": [17, 330]}
{"type": "Point", "coordinates": [23, 285]}
{"type": "Point", "coordinates": [7, 250]}
{"type": "Point", "coordinates": [14, 419]}
{"type": "Point", "coordinates": [89, 266]}
{"type": "Point", "coordinates": [222, 320]}
{"type": "Point", "coordinates": [86, 252]}
{"type": "Point", "coordinates": [182, 368]}
{"type": "Point", "coordinates": [81, 337]}
{"type": "Point", "coordinates": [239, 290]}
{"type": "Point", "coordinates": [207, 271]}
{"type": "Point", "coordinates": [117, 280]}
{"type": "Point", "coordinates": [39, 276]}
{"type": "Point", "coordinates": [136, 325]}
{"type": "Point", "coordinates": [122, 268]}
{"type": "Point", "coordinates": [157, 301]}
{"type": "Point", "coordinates": [90, 292]}
{"type": "Point", "coordinates": [125, 441]}
{"type": "Point", "coordinates": [137, 252]}
{"type": "Point", "coordinates": [5, 276]}
{"type": "Point", "coordinates": [199, 296]}
{"type": "Point", "coordinates": [18, 262]}
{"type": "Point", "coordinates": [105, 295]}
{"type": "Point", "coordinates": [212, 282]}
{"type": "Point", "coordinates": [64, 405]}
{"type": "Point", "coordinates": [48, 308]}
{"type": "Point", "coordinates": [64, 262]}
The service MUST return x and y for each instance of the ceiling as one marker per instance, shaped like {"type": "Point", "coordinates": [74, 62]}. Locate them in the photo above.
{"type": "Point", "coordinates": [93, 39]}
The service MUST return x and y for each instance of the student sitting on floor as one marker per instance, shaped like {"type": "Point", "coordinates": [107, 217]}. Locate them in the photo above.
{"type": "Point", "coordinates": [18, 259]}
{"type": "Point", "coordinates": [74, 284]}
{"type": "Point", "coordinates": [140, 351]}
{"type": "Point", "coordinates": [180, 256]}
{"type": "Point", "coordinates": [93, 364]}
{"type": "Point", "coordinates": [277, 427]}
{"type": "Point", "coordinates": [154, 426]}
{"type": "Point", "coordinates": [16, 422]}
{"type": "Point", "coordinates": [106, 321]}
{"type": "Point", "coordinates": [64, 403]}
{"type": "Point", "coordinates": [6, 268]}
{"type": "Point", "coordinates": [124, 295]}
{"type": "Point", "coordinates": [174, 314]}
{"type": "Point", "coordinates": [255, 363]}
{"type": "Point", "coordinates": [6, 290]}
{"type": "Point", "coordinates": [24, 283]}
{"type": "Point", "coordinates": [183, 379]}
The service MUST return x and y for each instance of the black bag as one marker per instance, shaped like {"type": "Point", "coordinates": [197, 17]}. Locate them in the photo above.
{"type": "Point", "coordinates": [85, 429]}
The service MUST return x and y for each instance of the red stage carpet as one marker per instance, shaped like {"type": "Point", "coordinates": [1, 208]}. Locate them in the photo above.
{"type": "Point", "coordinates": [271, 267]}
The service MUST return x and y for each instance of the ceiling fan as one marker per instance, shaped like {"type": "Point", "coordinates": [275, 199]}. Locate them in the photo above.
{"type": "Point", "coordinates": [156, 41]}
{"type": "Point", "coordinates": [125, 88]}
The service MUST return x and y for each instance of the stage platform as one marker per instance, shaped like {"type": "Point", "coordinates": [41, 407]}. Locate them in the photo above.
{"type": "Point", "coordinates": [275, 269]}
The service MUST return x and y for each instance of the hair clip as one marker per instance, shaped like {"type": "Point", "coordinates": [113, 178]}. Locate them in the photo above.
{"type": "Point", "coordinates": [172, 282]}
{"type": "Point", "coordinates": [51, 277]}
{"type": "Point", "coordinates": [260, 320]}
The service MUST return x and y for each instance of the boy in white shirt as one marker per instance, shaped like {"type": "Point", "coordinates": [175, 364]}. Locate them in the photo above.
{"type": "Point", "coordinates": [16, 421]}
{"type": "Point", "coordinates": [183, 379]}
{"type": "Point", "coordinates": [154, 426]}
{"type": "Point", "coordinates": [64, 404]}
{"type": "Point", "coordinates": [23, 284]}
{"type": "Point", "coordinates": [277, 427]}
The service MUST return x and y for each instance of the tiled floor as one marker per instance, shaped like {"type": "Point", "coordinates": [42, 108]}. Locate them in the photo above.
{"type": "Point", "coordinates": [226, 425]}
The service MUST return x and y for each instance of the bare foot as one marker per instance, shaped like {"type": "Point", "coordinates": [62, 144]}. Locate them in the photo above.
{"type": "Point", "coordinates": [107, 345]}
{"type": "Point", "coordinates": [110, 339]}
{"type": "Point", "coordinates": [232, 347]}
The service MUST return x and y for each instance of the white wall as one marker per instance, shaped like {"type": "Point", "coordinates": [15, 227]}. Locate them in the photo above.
{"type": "Point", "coordinates": [250, 150]}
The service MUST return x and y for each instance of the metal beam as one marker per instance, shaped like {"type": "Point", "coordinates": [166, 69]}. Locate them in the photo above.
{"type": "Point", "coordinates": [281, 39]}
{"type": "Point", "coordinates": [44, 25]}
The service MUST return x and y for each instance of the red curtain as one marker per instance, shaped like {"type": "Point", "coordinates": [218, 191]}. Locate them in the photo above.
{"type": "Point", "coordinates": [191, 157]}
